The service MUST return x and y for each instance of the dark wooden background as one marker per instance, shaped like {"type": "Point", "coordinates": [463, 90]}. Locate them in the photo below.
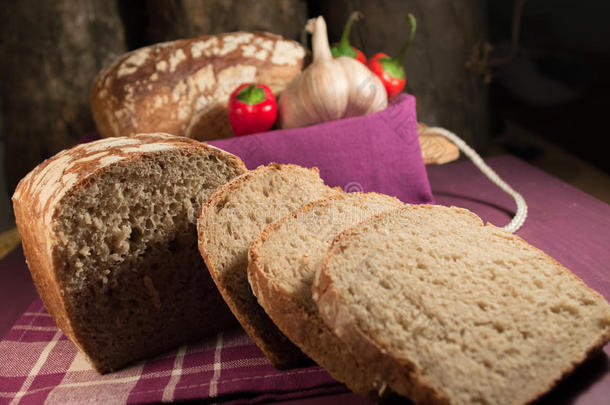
{"type": "Point", "coordinates": [52, 50]}
{"type": "Point", "coordinates": [547, 96]}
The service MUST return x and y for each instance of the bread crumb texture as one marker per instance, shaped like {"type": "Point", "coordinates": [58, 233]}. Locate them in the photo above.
{"type": "Point", "coordinates": [468, 314]}
{"type": "Point", "coordinates": [242, 210]}
{"type": "Point", "coordinates": [283, 263]}
{"type": "Point", "coordinates": [292, 250]}
{"type": "Point", "coordinates": [120, 214]}
{"type": "Point", "coordinates": [232, 219]}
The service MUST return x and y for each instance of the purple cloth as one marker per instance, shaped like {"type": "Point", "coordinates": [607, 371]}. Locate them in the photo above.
{"type": "Point", "coordinates": [37, 362]}
{"type": "Point", "coordinates": [378, 152]}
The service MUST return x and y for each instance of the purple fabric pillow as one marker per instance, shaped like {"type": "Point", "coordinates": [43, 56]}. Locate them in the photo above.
{"type": "Point", "coordinates": [378, 152]}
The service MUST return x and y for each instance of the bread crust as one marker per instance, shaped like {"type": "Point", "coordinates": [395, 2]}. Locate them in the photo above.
{"type": "Point", "coordinates": [400, 373]}
{"type": "Point", "coordinates": [39, 193]}
{"type": "Point", "coordinates": [277, 348]}
{"type": "Point", "coordinates": [290, 317]}
{"type": "Point", "coordinates": [182, 87]}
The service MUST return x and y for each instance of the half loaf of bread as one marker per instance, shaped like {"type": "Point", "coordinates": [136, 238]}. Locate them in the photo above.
{"type": "Point", "coordinates": [231, 219]}
{"type": "Point", "coordinates": [446, 310]}
{"type": "Point", "coordinates": [281, 269]}
{"type": "Point", "coordinates": [109, 235]}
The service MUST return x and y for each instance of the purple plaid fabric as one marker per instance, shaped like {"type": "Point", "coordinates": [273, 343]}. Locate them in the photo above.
{"type": "Point", "coordinates": [39, 364]}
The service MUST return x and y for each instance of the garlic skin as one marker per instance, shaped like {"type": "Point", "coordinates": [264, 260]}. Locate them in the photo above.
{"type": "Point", "coordinates": [329, 88]}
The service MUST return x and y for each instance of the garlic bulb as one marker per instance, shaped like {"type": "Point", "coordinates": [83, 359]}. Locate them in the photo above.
{"type": "Point", "coordinates": [329, 88]}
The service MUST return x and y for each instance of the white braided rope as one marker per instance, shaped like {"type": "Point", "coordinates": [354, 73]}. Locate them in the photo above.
{"type": "Point", "coordinates": [521, 213]}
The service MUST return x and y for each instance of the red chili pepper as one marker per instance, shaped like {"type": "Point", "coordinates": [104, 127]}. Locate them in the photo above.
{"type": "Point", "coordinates": [252, 109]}
{"type": "Point", "coordinates": [344, 48]}
{"type": "Point", "coordinates": [390, 70]}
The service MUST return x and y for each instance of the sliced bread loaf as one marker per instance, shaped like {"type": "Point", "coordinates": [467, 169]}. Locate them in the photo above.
{"type": "Point", "coordinates": [231, 219]}
{"type": "Point", "coordinates": [446, 310]}
{"type": "Point", "coordinates": [282, 265]}
{"type": "Point", "coordinates": [109, 234]}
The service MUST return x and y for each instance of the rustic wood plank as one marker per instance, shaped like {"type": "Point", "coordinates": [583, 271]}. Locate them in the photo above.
{"type": "Point", "coordinates": [170, 20]}
{"type": "Point", "coordinates": [51, 51]}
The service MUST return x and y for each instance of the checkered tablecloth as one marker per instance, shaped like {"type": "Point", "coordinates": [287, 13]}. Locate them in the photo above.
{"type": "Point", "coordinates": [39, 364]}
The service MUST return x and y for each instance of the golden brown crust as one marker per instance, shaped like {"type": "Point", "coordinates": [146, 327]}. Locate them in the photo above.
{"type": "Point", "coordinates": [182, 87]}
{"type": "Point", "coordinates": [41, 267]}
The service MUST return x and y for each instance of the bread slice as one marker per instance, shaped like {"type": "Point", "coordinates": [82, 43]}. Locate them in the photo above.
{"type": "Point", "coordinates": [231, 219]}
{"type": "Point", "coordinates": [281, 268]}
{"type": "Point", "coordinates": [109, 235]}
{"type": "Point", "coordinates": [446, 310]}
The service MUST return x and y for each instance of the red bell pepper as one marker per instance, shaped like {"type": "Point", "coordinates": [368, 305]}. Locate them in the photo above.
{"type": "Point", "coordinates": [344, 48]}
{"type": "Point", "coordinates": [390, 70]}
{"type": "Point", "coordinates": [252, 109]}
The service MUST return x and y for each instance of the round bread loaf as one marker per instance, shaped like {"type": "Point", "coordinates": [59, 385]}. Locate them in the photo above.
{"type": "Point", "coordinates": [182, 87]}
